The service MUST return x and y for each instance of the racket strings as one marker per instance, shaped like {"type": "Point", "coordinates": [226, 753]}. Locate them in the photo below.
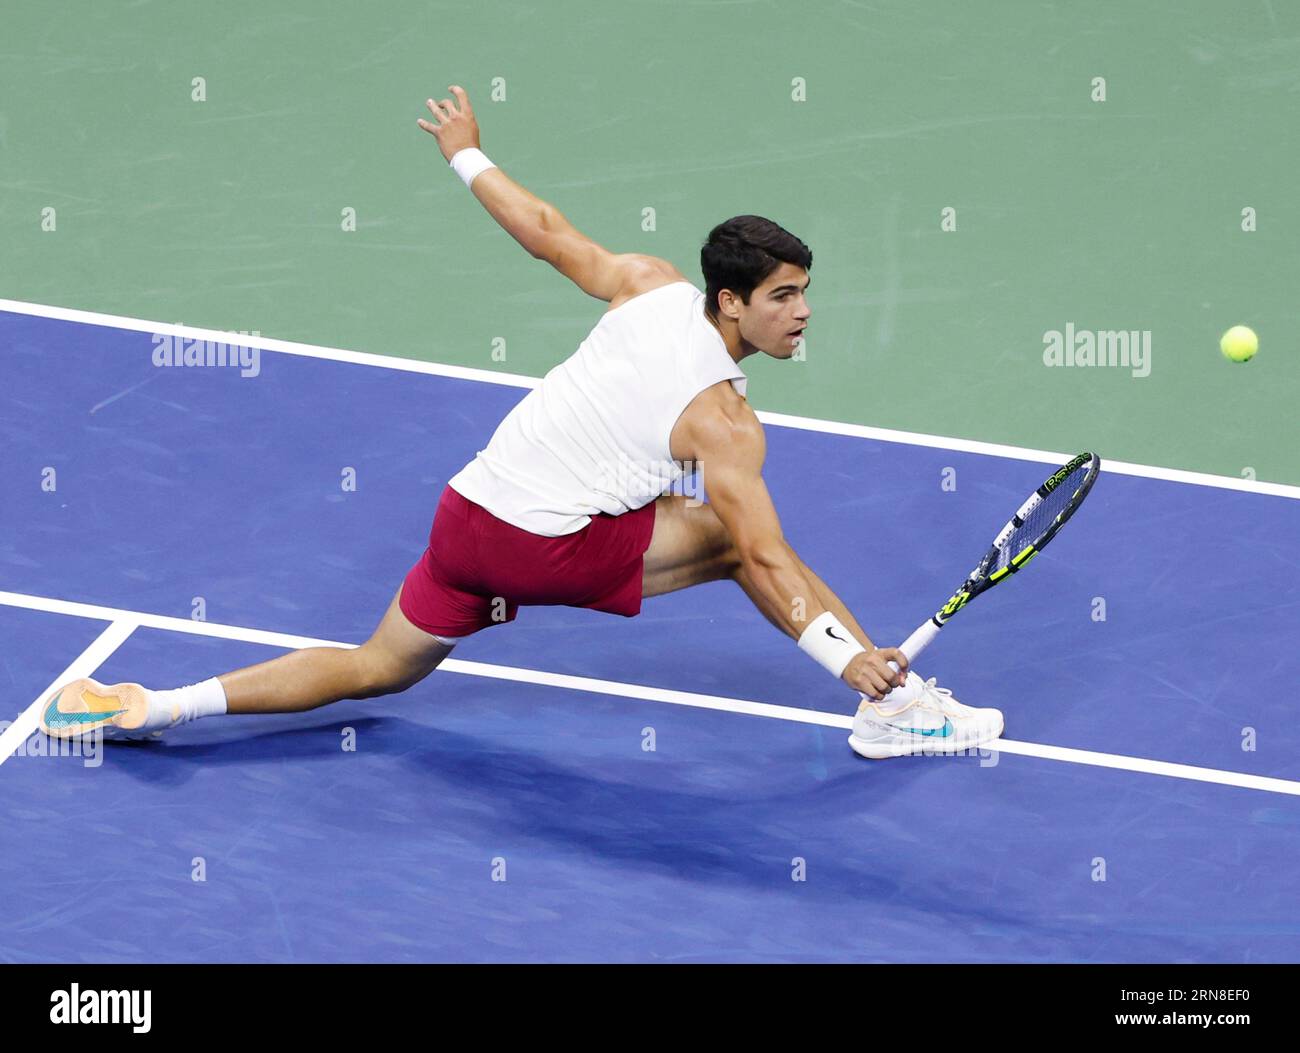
{"type": "Point", "coordinates": [1041, 517]}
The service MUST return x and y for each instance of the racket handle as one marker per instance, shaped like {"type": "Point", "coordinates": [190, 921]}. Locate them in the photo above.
{"type": "Point", "coordinates": [918, 641]}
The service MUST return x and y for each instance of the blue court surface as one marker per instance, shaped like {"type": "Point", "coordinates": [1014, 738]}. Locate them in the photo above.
{"type": "Point", "coordinates": [1143, 806]}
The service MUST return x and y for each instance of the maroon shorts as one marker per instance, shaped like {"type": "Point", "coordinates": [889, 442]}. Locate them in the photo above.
{"type": "Point", "coordinates": [478, 570]}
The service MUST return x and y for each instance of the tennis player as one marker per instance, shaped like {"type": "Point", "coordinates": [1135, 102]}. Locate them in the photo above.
{"type": "Point", "coordinates": [567, 503]}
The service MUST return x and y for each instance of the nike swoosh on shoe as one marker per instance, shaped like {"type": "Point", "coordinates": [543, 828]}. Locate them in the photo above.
{"type": "Point", "coordinates": [56, 719]}
{"type": "Point", "coordinates": [942, 732]}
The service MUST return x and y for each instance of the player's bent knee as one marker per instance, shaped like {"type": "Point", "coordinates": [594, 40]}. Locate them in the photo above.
{"type": "Point", "coordinates": [379, 673]}
{"type": "Point", "coordinates": [730, 560]}
{"type": "Point", "coordinates": [724, 556]}
{"type": "Point", "coordinates": [727, 560]}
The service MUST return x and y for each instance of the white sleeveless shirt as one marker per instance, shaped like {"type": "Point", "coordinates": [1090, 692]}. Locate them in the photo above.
{"type": "Point", "coordinates": [593, 436]}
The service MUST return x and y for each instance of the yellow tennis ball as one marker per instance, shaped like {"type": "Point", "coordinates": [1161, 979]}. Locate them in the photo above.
{"type": "Point", "coordinates": [1239, 343]}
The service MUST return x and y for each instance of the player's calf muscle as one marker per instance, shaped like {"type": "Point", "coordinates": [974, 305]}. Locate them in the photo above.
{"type": "Point", "coordinates": [297, 681]}
{"type": "Point", "coordinates": [317, 676]}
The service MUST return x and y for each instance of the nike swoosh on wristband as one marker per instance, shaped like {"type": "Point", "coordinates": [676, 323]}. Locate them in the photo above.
{"type": "Point", "coordinates": [831, 633]}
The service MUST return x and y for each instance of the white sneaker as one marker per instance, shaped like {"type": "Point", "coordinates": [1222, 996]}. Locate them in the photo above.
{"type": "Point", "coordinates": [934, 722]}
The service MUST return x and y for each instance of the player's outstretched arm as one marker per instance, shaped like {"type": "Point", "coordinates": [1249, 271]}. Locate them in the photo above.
{"type": "Point", "coordinates": [730, 446]}
{"type": "Point", "coordinates": [538, 226]}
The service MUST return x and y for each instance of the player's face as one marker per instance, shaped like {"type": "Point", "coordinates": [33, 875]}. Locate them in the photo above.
{"type": "Point", "coordinates": [778, 311]}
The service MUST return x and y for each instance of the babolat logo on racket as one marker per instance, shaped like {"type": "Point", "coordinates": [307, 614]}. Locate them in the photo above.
{"type": "Point", "coordinates": [1058, 477]}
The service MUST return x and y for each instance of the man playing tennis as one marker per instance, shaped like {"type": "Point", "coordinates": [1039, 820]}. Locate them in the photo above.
{"type": "Point", "coordinates": [566, 504]}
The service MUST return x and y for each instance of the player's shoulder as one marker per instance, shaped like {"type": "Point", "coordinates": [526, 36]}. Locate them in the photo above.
{"type": "Point", "coordinates": [642, 274]}
{"type": "Point", "coordinates": [718, 420]}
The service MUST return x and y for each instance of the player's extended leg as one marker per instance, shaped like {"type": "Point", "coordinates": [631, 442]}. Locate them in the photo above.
{"type": "Point", "coordinates": [396, 656]}
{"type": "Point", "coordinates": [689, 546]}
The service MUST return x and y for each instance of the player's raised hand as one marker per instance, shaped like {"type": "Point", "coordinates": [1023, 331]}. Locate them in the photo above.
{"type": "Point", "coordinates": [871, 673]}
{"type": "Point", "coordinates": [455, 127]}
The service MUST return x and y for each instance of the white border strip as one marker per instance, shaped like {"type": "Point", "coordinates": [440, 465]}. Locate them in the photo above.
{"type": "Point", "coordinates": [124, 622]}
{"type": "Point", "coordinates": [288, 347]}
{"type": "Point", "coordinates": [84, 664]}
{"type": "Point", "coordinates": [1021, 453]}
{"type": "Point", "coordinates": [783, 420]}
{"type": "Point", "coordinates": [1151, 767]}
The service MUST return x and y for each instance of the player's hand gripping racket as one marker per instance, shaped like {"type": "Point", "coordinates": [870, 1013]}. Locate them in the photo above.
{"type": "Point", "coordinates": [1047, 510]}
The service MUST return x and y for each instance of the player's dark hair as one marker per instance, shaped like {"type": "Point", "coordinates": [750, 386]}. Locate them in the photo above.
{"type": "Point", "coordinates": [740, 253]}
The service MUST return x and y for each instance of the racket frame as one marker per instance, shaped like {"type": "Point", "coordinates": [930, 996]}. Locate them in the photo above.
{"type": "Point", "coordinates": [979, 580]}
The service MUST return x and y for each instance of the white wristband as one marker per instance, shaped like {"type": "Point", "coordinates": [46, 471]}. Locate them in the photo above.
{"type": "Point", "coordinates": [830, 643]}
{"type": "Point", "coordinates": [470, 162]}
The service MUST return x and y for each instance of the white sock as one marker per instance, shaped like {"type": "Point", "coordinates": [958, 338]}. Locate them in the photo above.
{"type": "Point", "coordinates": [182, 704]}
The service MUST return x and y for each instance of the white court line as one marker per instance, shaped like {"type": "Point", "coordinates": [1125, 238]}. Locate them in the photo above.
{"type": "Point", "coordinates": [84, 664]}
{"type": "Point", "coordinates": [601, 687]}
{"type": "Point", "coordinates": [783, 420]}
{"type": "Point", "coordinates": [288, 347]}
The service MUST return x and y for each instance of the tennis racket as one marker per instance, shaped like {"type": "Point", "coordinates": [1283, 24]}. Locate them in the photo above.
{"type": "Point", "coordinates": [1044, 513]}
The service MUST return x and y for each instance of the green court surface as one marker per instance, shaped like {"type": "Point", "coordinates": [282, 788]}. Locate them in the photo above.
{"type": "Point", "coordinates": [853, 124]}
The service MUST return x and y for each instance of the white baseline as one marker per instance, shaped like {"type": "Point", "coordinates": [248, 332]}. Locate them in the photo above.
{"type": "Point", "coordinates": [782, 420]}
{"type": "Point", "coordinates": [123, 622]}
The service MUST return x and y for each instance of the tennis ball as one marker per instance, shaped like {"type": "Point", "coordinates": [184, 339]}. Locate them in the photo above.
{"type": "Point", "coordinates": [1239, 344]}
